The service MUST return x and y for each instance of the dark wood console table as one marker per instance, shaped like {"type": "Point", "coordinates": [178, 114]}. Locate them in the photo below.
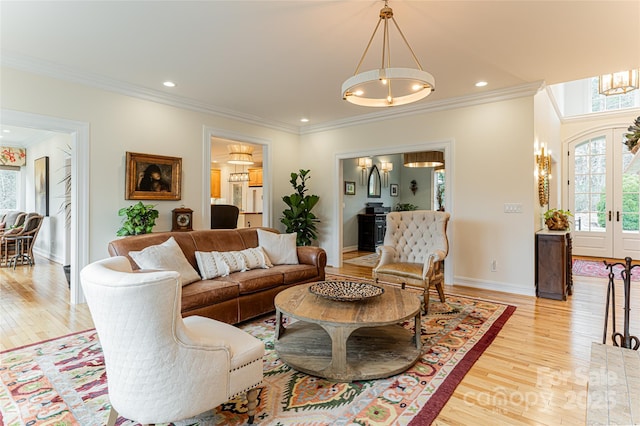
{"type": "Point", "coordinates": [371, 230]}
{"type": "Point", "coordinates": [554, 278]}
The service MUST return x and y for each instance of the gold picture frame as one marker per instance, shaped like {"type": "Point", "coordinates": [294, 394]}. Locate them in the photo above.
{"type": "Point", "coordinates": [153, 177]}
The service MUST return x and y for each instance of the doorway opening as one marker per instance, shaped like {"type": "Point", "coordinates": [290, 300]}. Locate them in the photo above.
{"type": "Point", "coordinates": [238, 173]}
{"type": "Point", "coordinates": [398, 190]}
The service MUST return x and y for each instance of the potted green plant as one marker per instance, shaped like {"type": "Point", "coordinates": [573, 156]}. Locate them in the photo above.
{"type": "Point", "coordinates": [140, 219]}
{"type": "Point", "coordinates": [298, 217]}
{"type": "Point", "coordinates": [632, 138]}
{"type": "Point", "coordinates": [557, 219]}
{"type": "Point", "coordinates": [405, 207]}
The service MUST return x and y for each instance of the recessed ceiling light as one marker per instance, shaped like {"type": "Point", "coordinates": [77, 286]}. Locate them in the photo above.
{"type": "Point", "coordinates": [169, 84]}
{"type": "Point", "coordinates": [304, 120]}
{"type": "Point", "coordinates": [481, 84]}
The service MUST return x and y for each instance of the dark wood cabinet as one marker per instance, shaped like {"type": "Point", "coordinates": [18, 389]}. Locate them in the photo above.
{"type": "Point", "coordinates": [554, 279]}
{"type": "Point", "coordinates": [371, 229]}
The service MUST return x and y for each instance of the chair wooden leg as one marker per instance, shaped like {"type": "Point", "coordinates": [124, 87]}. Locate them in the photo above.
{"type": "Point", "coordinates": [426, 300]}
{"type": "Point", "coordinates": [252, 402]}
{"type": "Point", "coordinates": [113, 416]}
{"type": "Point", "coordinates": [440, 288]}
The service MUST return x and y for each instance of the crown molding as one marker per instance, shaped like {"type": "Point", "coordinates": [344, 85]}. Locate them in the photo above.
{"type": "Point", "coordinates": [49, 69]}
{"type": "Point", "coordinates": [60, 72]}
{"type": "Point", "coordinates": [519, 91]}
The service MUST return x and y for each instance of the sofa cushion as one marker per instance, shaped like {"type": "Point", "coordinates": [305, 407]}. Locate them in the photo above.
{"type": "Point", "coordinates": [281, 248]}
{"type": "Point", "coordinates": [166, 256]}
{"type": "Point", "coordinates": [256, 280]}
{"type": "Point", "coordinates": [298, 273]}
{"type": "Point", "coordinates": [218, 240]}
{"type": "Point", "coordinates": [208, 292]}
{"type": "Point", "coordinates": [211, 265]}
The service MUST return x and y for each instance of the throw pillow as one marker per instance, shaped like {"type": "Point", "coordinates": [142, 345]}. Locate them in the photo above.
{"type": "Point", "coordinates": [234, 260]}
{"type": "Point", "coordinates": [280, 248]}
{"type": "Point", "coordinates": [166, 256]}
{"type": "Point", "coordinates": [211, 265]}
{"type": "Point", "coordinates": [255, 257]}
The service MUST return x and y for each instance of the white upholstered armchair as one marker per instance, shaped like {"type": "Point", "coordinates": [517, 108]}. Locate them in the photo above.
{"type": "Point", "coordinates": [161, 367]}
{"type": "Point", "coordinates": [415, 245]}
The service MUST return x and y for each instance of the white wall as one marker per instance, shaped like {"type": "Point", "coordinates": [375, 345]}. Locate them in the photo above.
{"type": "Point", "coordinates": [547, 130]}
{"type": "Point", "coordinates": [120, 123]}
{"type": "Point", "coordinates": [492, 163]}
{"type": "Point", "coordinates": [52, 237]}
{"type": "Point", "coordinates": [491, 158]}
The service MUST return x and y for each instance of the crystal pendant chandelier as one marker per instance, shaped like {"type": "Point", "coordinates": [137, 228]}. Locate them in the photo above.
{"type": "Point", "coordinates": [387, 86]}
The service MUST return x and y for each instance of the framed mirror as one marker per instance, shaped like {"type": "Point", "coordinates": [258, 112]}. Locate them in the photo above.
{"type": "Point", "coordinates": [374, 183]}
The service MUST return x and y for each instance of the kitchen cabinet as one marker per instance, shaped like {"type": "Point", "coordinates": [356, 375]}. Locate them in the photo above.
{"type": "Point", "coordinates": [215, 183]}
{"type": "Point", "coordinates": [255, 177]}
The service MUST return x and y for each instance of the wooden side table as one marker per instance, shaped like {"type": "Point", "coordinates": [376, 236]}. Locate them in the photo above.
{"type": "Point", "coordinates": [553, 278]}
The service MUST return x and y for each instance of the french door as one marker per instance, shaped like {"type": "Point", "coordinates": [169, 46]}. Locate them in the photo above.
{"type": "Point", "coordinates": [603, 199]}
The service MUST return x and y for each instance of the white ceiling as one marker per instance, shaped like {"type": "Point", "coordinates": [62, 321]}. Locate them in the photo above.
{"type": "Point", "coordinates": [276, 61]}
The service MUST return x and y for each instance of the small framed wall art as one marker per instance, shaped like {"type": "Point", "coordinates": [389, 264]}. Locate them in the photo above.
{"type": "Point", "coordinates": [41, 184]}
{"type": "Point", "coordinates": [393, 189]}
{"type": "Point", "coordinates": [349, 188]}
{"type": "Point", "coordinates": [153, 177]}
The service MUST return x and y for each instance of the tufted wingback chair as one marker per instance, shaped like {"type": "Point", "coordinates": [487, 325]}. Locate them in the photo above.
{"type": "Point", "coordinates": [415, 245]}
{"type": "Point", "coordinates": [160, 367]}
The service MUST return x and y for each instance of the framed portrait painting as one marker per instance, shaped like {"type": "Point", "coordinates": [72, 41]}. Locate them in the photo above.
{"type": "Point", "coordinates": [153, 177]}
{"type": "Point", "coordinates": [393, 189]}
{"type": "Point", "coordinates": [41, 185]}
{"type": "Point", "coordinates": [349, 188]}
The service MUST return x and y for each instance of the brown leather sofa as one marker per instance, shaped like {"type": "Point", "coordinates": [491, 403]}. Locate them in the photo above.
{"type": "Point", "coordinates": [240, 295]}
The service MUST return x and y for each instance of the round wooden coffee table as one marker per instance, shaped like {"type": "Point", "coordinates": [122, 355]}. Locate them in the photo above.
{"type": "Point", "coordinates": [347, 341]}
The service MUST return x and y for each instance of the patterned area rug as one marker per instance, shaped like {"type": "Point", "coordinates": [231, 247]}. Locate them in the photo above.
{"type": "Point", "coordinates": [370, 260]}
{"type": "Point", "coordinates": [590, 268]}
{"type": "Point", "coordinates": [63, 381]}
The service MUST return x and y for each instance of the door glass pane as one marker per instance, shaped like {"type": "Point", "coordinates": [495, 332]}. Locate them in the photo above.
{"type": "Point", "coordinates": [630, 196]}
{"type": "Point", "coordinates": [590, 185]}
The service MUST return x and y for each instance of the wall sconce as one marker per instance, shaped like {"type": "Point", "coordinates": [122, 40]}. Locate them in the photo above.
{"type": "Point", "coordinates": [386, 167]}
{"type": "Point", "coordinates": [364, 163]}
{"type": "Point", "coordinates": [543, 173]}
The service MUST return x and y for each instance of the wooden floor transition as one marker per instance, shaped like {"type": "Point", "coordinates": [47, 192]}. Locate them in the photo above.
{"type": "Point", "coordinates": [535, 371]}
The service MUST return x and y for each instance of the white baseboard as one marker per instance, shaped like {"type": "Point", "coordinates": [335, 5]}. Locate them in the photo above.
{"type": "Point", "coordinates": [495, 286]}
{"type": "Point", "coordinates": [349, 249]}
{"type": "Point", "coordinates": [52, 257]}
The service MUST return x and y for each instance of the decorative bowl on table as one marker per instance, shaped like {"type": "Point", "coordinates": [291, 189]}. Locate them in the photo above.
{"type": "Point", "coordinates": [345, 291]}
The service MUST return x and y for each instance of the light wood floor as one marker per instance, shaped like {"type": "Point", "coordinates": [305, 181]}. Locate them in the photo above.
{"type": "Point", "coordinates": [535, 371]}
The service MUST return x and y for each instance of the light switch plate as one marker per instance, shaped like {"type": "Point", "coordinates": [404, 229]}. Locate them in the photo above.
{"type": "Point", "coordinates": [513, 208]}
